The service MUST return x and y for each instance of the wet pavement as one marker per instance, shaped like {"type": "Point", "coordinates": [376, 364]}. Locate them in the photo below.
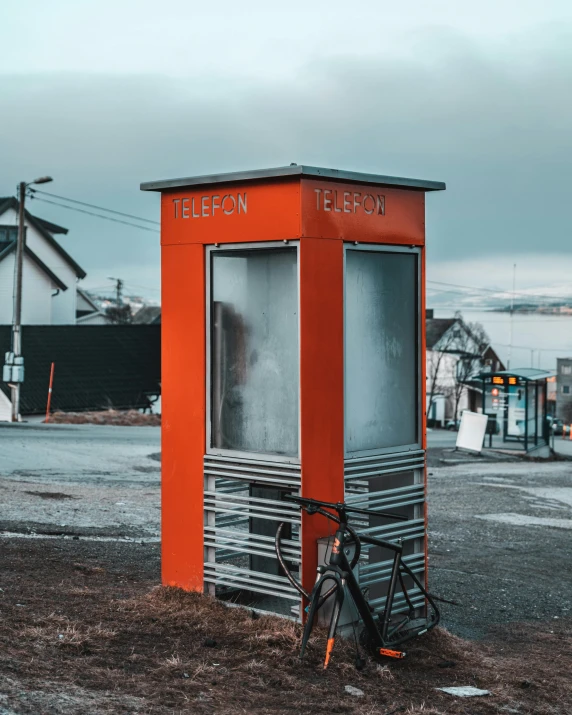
{"type": "Point", "coordinates": [499, 531]}
{"type": "Point", "coordinates": [500, 543]}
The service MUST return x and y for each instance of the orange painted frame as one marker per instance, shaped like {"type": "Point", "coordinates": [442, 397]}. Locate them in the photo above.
{"type": "Point", "coordinates": [321, 386]}
{"type": "Point", "coordinates": [183, 415]}
{"type": "Point", "coordinates": [287, 213]}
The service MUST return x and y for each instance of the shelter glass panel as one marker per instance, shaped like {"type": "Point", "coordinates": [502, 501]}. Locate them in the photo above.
{"type": "Point", "coordinates": [531, 411]}
{"type": "Point", "coordinates": [381, 346]}
{"type": "Point", "coordinates": [254, 351]}
{"type": "Point", "coordinates": [540, 412]}
{"type": "Point", "coordinates": [516, 413]}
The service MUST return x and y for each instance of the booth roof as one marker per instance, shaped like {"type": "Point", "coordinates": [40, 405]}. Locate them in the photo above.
{"type": "Point", "coordinates": [524, 373]}
{"type": "Point", "coordinates": [295, 170]}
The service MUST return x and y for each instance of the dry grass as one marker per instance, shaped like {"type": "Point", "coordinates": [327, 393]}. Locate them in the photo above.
{"type": "Point", "coordinates": [124, 418]}
{"type": "Point", "coordinates": [178, 652]}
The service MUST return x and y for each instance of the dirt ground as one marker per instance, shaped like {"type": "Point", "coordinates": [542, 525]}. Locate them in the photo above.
{"type": "Point", "coordinates": [86, 630]}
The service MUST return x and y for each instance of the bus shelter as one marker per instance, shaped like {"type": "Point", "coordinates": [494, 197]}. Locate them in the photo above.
{"type": "Point", "coordinates": [515, 402]}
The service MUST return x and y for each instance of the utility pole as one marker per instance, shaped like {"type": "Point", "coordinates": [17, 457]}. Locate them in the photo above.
{"type": "Point", "coordinates": [17, 318]}
{"type": "Point", "coordinates": [511, 312]}
{"type": "Point", "coordinates": [16, 360]}
{"type": "Point", "coordinates": [118, 291]}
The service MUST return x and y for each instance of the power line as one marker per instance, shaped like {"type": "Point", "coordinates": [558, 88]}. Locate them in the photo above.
{"type": "Point", "coordinates": [499, 310]}
{"type": "Point", "coordinates": [93, 206]}
{"type": "Point", "coordinates": [492, 290]}
{"type": "Point", "coordinates": [91, 213]}
{"type": "Point", "coordinates": [140, 287]}
{"type": "Point", "coordinates": [542, 350]}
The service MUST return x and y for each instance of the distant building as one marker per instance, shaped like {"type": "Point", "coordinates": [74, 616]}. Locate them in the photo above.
{"type": "Point", "coordinates": [87, 312]}
{"type": "Point", "coordinates": [564, 389]}
{"type": "Point", "coordinates": [456, 353]}
{"type": "Point", "coordinates": [551, 394]}
{"type": "Point", "coordinates": [50, 294]}
{"type": "Point", "coordinates": [148, 315]}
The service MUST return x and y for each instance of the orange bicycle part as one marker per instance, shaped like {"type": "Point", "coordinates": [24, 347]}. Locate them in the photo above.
{"type": "Point", "coordinates": [392, 653]}
{"type": "Point", "coordinates": [329, 648]}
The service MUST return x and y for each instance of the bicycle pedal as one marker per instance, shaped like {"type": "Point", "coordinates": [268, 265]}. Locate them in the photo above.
{"type": "Point", "coordinates": [388, 653]}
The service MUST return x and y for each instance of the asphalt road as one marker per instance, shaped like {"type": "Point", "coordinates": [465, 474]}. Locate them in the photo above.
{"type": "Point", "coordinates": [499, 532]}
{"type": "Point", "coordinates": [104, 481]}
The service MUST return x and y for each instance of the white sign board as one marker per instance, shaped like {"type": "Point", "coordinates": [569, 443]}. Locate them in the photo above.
{"type": "Point", "coordinates": [472, 431]}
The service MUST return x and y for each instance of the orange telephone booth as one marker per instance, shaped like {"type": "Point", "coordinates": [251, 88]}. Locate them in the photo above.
{"type": "Point", "coordinates": [293, 353]}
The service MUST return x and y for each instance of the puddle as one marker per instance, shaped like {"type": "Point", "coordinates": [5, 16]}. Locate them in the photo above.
{"type": "Point", "coordinates": [555, 495]}
{"type": "Point", "coordinates": [524, 520]}
{"type": "Point", "coordinates": [502, 480]}
{"type": "Point", "coordinates": [51, 495]}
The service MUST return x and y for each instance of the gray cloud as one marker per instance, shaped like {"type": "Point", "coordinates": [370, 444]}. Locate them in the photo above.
{"type": "Point", "coordinates": [494, 126]}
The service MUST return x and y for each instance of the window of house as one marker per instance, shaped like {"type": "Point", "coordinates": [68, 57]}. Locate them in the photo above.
{"type": "Point", "coordinates": [7, 235]}
{"type": "Point", "coordinates": [566, 369]}
{"type": "Point", "coordinates": [565, 389]}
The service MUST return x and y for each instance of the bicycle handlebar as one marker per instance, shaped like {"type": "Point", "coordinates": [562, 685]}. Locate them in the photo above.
{"type": "Point", "coordinates": [315, 504]}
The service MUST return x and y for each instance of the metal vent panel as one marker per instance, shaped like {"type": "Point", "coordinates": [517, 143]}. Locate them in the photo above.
{"type": "Point", "coordinates": [243, 507]}
{"type": "Point", "coordinates": [374, 466]}
{"type": "Point", "coordinates": [254, 471]}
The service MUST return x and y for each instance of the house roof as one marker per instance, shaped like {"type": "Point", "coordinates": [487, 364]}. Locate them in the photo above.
{"type": "Point", "coordinates": [314, 172]}
{"type": "Point", "coordinates": [88, 299]}
{"type": "Point", "coordinates": [46, 229]}
{"type": "Point", "coordinates": [491, 353]}
{"type": "Point", "coordinates": [96, 366]}
{"type": "Point", "coordinates": [38, 261]}
{"type": "Point", "coordinates": [435, 328]}
{"type": "Point", "coordinates": [149, 314]}
{"type": "Point", "coordinates": [51, 227]}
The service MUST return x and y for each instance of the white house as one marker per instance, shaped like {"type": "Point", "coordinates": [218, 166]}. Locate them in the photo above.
{"type": "Point", "coordinates": [50, 293]}
{"type": "Point", "coordinates": [456, 352]}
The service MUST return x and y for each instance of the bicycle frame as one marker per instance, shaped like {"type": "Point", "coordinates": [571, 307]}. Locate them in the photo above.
{"type": "Point", "coordinates": [340, 571]}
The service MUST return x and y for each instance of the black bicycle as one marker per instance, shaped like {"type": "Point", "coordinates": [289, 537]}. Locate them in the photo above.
{"type": "Point", "coordinates": [381, 636]}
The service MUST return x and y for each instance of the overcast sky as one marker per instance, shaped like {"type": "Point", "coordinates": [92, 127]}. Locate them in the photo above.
{"type": "Point", "coordinates": [103, 95]}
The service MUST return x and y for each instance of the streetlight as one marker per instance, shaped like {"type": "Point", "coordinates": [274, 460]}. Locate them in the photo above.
{"type": "Point", "coordinates": [17, 373]}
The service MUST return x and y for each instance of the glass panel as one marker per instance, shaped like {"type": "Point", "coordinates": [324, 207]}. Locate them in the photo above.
{"type": "Point", "coordinates": [380, 350]}
{"type": "Point", "coordinates": [255, 351]}
{"type": "Point", "coordinates": [516, 411]}
{"type": "Point", "coordinates": [540, 413]}
{"type": "Point", "coordinates": [531, 407]}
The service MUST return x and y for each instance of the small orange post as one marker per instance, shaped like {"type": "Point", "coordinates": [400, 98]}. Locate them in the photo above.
{"type": "Point", "coordinates": [50, 393]}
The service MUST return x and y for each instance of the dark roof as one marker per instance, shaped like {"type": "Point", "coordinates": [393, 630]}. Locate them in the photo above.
{"type": "Point", "coordinates": [51, 227]}
{"type": "Point", "coordinates": [149, 314]}
{"type": "Point", "coordinates": [435, 329]}
{"type": "Point", "coordinates": [43, 227]}
{"type": "Point", "coordinates": [490, 353]}
{"type": "Point", "coordinates": [88, 299]}
{"type": "Point", "coordinates": [96, 366]}
{"type": "Point", "coordinates": [38, 261]}
{"type": "Point", "coordinates": [295, 170]}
